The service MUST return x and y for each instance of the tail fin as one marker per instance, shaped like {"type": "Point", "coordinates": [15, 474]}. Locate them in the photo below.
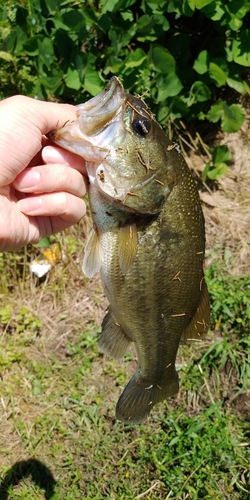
{"type": "Point", "coordinates": [139, 397]}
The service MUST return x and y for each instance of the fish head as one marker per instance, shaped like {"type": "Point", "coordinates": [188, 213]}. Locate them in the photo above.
{"type": "Point", "coordinates": [124, 148]}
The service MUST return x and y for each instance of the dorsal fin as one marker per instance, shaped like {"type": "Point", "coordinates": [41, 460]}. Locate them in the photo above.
{"type": "Point", "coordinates": [92, 255]}
{"type": "Point", "coordinates": [199, 324]}
{"type": "Point", "coordinates": [127, 246]}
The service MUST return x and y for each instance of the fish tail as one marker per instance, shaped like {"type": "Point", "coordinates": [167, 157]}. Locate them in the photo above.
{"type": "Point", "coordinates": [139, 397]}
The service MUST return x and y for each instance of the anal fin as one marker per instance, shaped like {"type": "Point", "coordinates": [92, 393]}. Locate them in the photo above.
{"type": "Point", "coordinates": [113, 341]}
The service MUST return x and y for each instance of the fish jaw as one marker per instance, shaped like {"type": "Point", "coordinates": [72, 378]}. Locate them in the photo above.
{"type": "Point", "coordinates": [87, 135]}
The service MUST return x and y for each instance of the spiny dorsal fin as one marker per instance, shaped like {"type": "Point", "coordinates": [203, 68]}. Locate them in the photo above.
{"type": "Point", "coordinates": [199, 324]}
{"type": "Point", "coordinates": [127, 247]}
{"type": "Point", "coordinates": [113, 341]}
{"type": "Point", "coordinates": [92, 255]}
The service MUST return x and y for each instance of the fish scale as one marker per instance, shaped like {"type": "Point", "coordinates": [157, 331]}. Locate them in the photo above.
{"type": "Point", "coordinates": [148, 241]}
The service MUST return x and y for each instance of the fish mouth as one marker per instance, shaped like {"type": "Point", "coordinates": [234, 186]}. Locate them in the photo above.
{"type": "Point", "coordinates": [87, 135]}
{"type": "Point", "coordinates": [97, 113]}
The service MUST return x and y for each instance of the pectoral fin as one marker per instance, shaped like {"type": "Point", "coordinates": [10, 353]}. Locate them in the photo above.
{"type": "Point", "coordinates": [199, 324]}
{"type": "Point", "coordinates": [127, 247]}
{"type": "Point", "coordinates": [113, 341]}
{"type": "Point", "coordinates": [92, 255]}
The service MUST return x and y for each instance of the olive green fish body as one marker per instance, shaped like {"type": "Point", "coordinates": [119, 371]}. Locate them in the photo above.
{"type": "Point", "coordinates": [154, 302]}
{"type": "Point", "coordinates": [148, 241]}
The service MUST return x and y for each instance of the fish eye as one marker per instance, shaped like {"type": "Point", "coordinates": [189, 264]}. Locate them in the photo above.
{"type": "Point", "coordinates": [141, 126]}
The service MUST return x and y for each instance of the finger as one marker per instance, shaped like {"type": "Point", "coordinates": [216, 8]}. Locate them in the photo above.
{"type": "Point", "coordinates": [55, 154]}
{"type": "Point", "coordinates": [51, 178]}
{"type": "Point", "coordinates": [23, 122]}
{"type": "Point", "coordinates": [45, 116]}
{"type": "Point", "coordinates": [40, 227]}
{"type": "Point", "coordinates": [69, 207]}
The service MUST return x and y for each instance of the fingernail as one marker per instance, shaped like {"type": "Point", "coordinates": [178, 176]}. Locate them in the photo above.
{"type": "Point", "coordinates": [29, 205]}
{"type": "Point", "coordinates": [51, 154]}
{"type": "Point", "coordinates": [28, 179]}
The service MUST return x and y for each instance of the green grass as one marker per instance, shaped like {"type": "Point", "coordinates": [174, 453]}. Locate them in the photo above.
{"type": "Point", "coordinates": [59, 439]}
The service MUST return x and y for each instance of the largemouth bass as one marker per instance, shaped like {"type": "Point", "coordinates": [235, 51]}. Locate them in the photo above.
{"type": "Point", "coordinates": [148, 241]}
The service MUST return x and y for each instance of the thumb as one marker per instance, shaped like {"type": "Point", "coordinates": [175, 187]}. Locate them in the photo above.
{"type": "Point", "coordinates": [23, 122]}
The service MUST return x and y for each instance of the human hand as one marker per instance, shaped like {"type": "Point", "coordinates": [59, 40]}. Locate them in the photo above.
{"type": "Point", "coordinates": [36, 199]}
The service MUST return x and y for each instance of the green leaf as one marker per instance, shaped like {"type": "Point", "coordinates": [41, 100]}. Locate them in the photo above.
{"type": "Point", "coordinates": [199, 4]}
{"type": "Point", "coordinates": [46, 52]}
{"type": "Point", "coordinates": [64, 45]}
{"type": "Point", "coordinates": [162, 60]}
{"type": "Point", "coordinates": [235, 24]}
{"type": "Point", "coordinates": [199, 92]}
{"type": "Point", "coordinates": [144, 24]}
{"type": "Point", "coordinates": [215, 10]}
{"type": "Point", "coordinates": [21, 38]}
{"type": "Point", "coordinates": [201, 63]}
{"type": "Point", "coordinates": [175, 108]}
{"type": "Point", "coordinates": [6, 56]}
{"type": "Point", "coordinates": [168, 86]}
{"type": "Point", "coordinates": [44, 242]}
{"type": "Point", "coordinates": [52, 6]}
{"type": "Point", "coordinates": [188, 7]}
{"type": "Point", "coordinates": [218, 71]}
{"type": "Point", "coordinates": [216, 112]}
{"type": "Point", "coordinates": [72, 79]}
{"type": "Point", "coordinates": [50, 83]}
{"type": "Point", "coordinates": [240, 48]}
{"type": "Point", "coordinates": [232, 118]}
{"type": "Point", "coordinates": [135, 59]}
{"type": "Point", "coordinates": [73, 19]}
{"type": "Point", "coordinates": [217, 172]}
{"type": "Point", "coordinates": [221, 154]}
{"type": "Point", "coordinates": [111, 6]}
{"type": "Point", "coordinates": [31, 45]}
{"type": "Point", "coordinates": [239, 85]}
{"type": "Point", "coordinates": [92, 82]}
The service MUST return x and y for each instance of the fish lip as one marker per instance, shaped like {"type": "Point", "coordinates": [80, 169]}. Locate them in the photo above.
{"type": "Point", "coordinates": [93, 117]}
{"type": "Point", "coordinates": [96, 103]}
{"type": "Point", "coordinates": [96, 114]}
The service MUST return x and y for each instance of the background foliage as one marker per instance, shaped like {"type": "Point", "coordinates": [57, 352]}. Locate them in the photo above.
{"type": "Point", "coordinates": [191, 57]}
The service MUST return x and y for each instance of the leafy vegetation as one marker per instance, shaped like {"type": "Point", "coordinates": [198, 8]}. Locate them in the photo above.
{"type": "Point", "coordinates": [190, 57]}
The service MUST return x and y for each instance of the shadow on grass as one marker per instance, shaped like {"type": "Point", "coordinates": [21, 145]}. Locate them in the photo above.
{"type": "Point", "coordinates": [39, 473]}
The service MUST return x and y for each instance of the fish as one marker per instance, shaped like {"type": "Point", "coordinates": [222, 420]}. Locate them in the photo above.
{"type": "Point", "coordinates": [147, 241]}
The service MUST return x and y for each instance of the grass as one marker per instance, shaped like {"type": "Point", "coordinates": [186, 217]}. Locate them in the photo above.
{"type": "Point", "coordinates": [58, 435]}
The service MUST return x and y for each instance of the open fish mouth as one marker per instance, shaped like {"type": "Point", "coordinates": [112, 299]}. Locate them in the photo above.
{"type": "Point", "coordinates": [97, 113]}
{"type": "Point", "coordinates": [88, 135]}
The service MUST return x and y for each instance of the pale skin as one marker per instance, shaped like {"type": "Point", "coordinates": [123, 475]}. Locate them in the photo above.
{"type": "Point", "coordinates": [41, 186]}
